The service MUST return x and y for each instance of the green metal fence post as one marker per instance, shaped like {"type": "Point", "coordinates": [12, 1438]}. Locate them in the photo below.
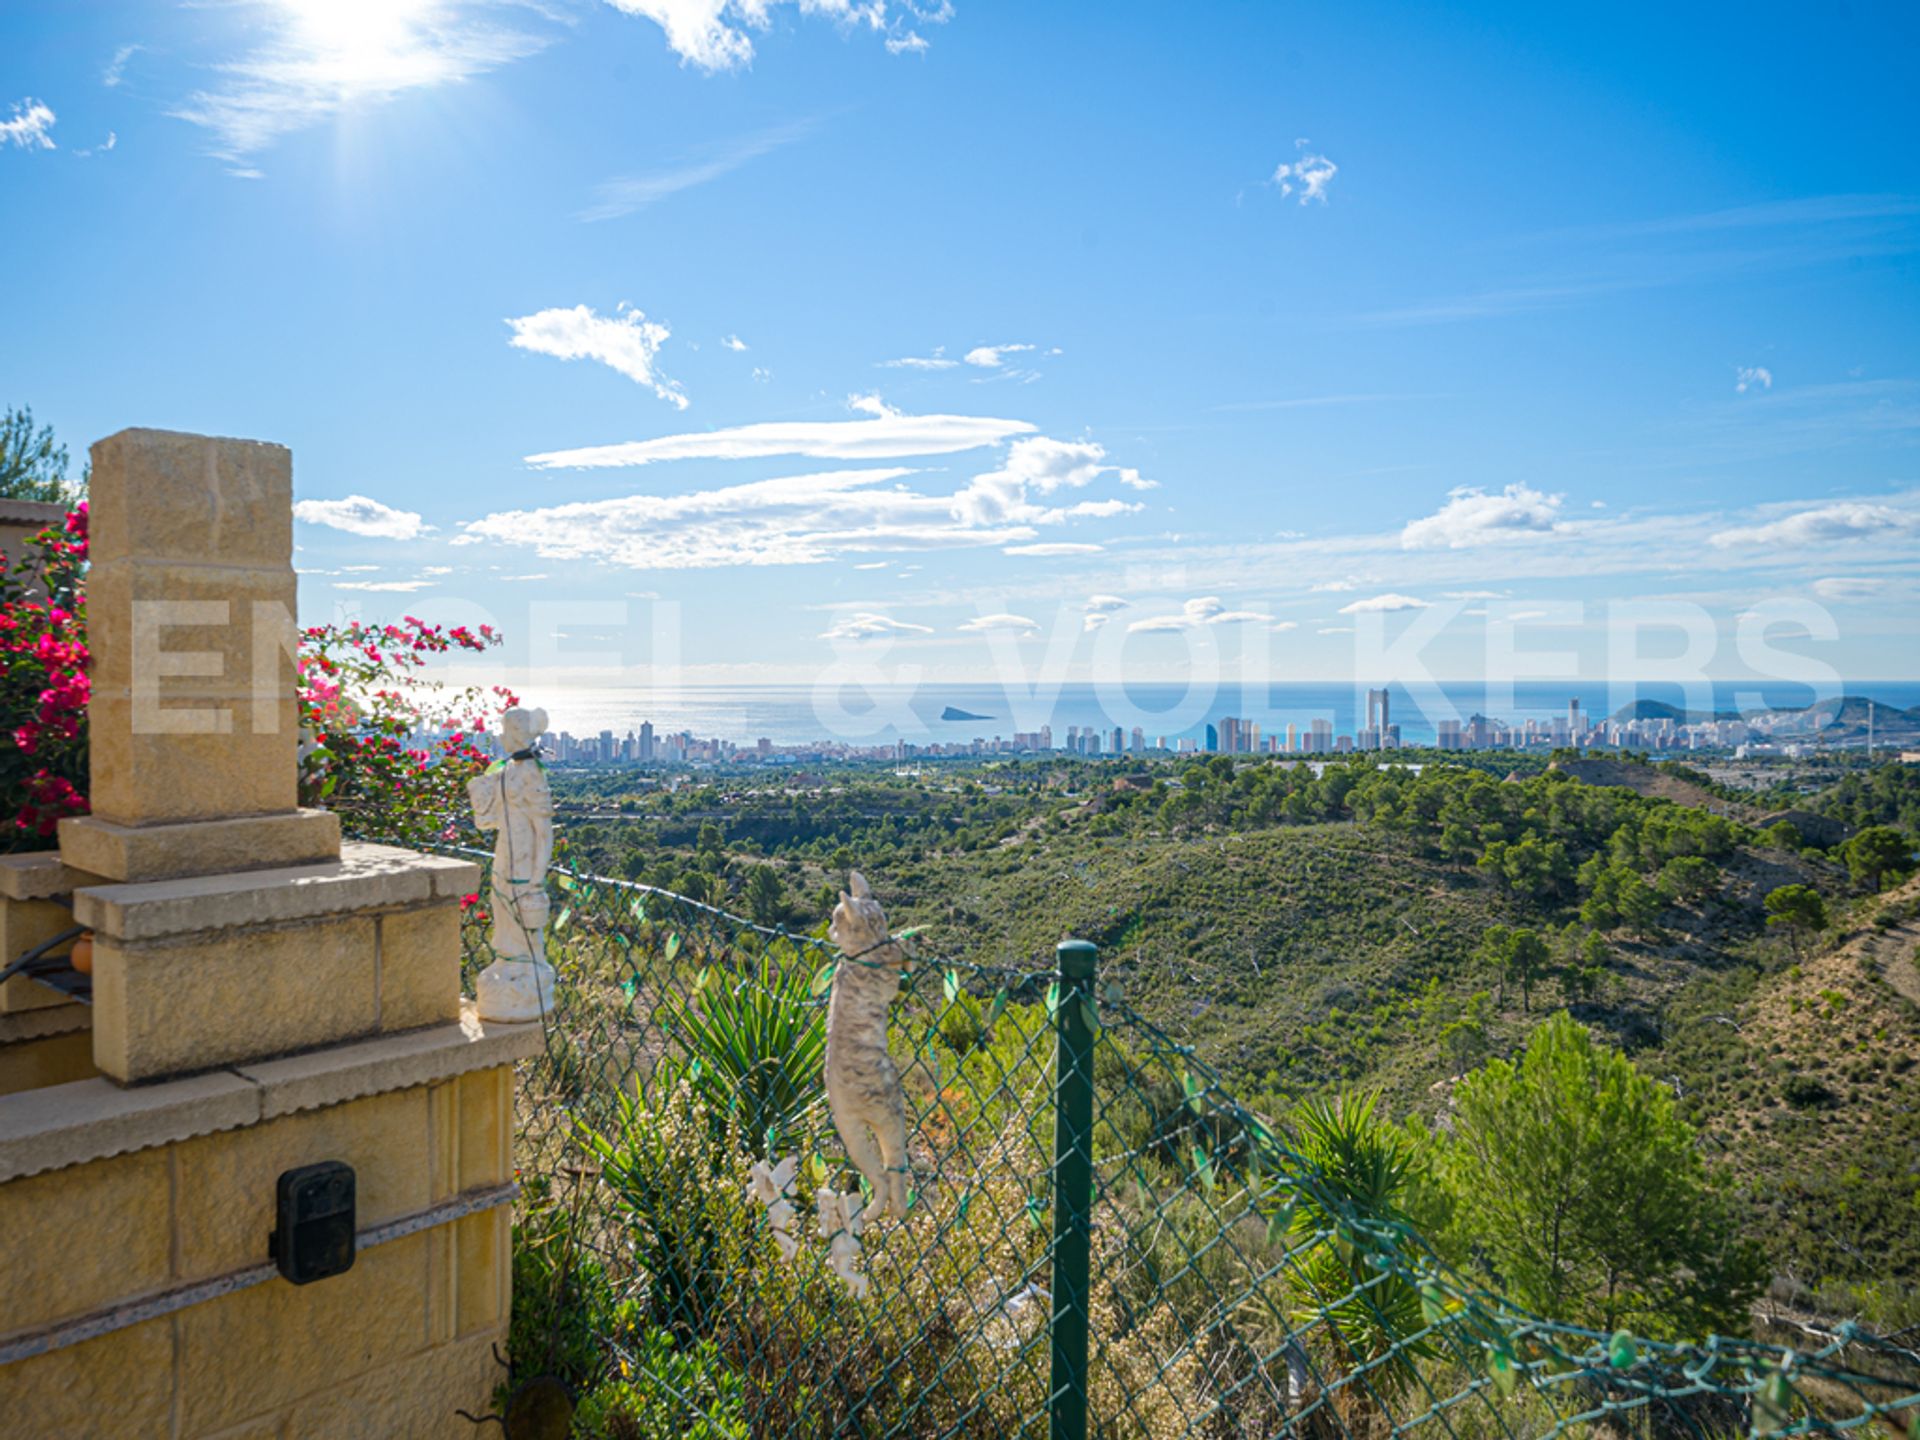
{"type": "Point", "coordinates": [1072, 1188]}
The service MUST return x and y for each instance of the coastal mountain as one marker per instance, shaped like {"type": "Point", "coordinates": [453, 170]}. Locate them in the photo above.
{"type": "Point", "coordinates": [1843, 717]}
{"type": "Point", "coordinates": [953, 712]}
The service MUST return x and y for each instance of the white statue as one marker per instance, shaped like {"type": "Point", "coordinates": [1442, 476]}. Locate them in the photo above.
{"type": "Point", "coordinates": [772, 1186]}
{"type": "Point", "coordinates": [863, 1086]}
{"type": "Point", "coordinates": [840, 1226]}
{"type": "Point", "coordinates": [512, 799]}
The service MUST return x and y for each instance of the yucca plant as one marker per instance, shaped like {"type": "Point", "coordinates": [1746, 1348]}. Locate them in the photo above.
{"type": "Point", "coordinates": [751, 1049]}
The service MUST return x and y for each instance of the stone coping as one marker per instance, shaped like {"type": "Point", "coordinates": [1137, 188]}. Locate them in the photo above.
{"type": "Point", "coordinates": [135, 853]}
{"type": "Point", "coordinates": [48, 1020]}
{"type": "Point", "coordinates": [365, 877]}
{"type": "Point", "coordinates": [60, 1125]}
{"type": "Point", "coordinates": [40, 875]}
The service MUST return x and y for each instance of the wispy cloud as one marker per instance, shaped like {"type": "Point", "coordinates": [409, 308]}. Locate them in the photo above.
{"type": "Point", "coordinates": [1382, 605]}
{"type": "Point", "coordinates": [627, 193]}
{"type": "Point", "coordinates": [320, 60]}
{"type": "Point", "coordinates": [385, 587]}
{"type": "Point", "coordinates": [813, 518]}
{"type": "Point", "coordinates": [936, 361]}
{"type": "Point", "coordinates": [1752, 377]}
{"type": "Point", "coordinates": [1206, 610]}
{"type": "Point", "coordinates": [992, 357]}
{"type": "Point", "coordinates": [866, 625]}
{"type": "Point", "coordinates": [734, 343]}
{"type": "Point", "coordinates": [1848, 587]}
{"type": "Point", "coordinates": [884, 437]}
{"type": "Point", "coordinates": [1825, 525]}
{"type": "Point", "coordinates": [1002, 624]}
{"type": "Point", "coordinates": [117, 66]}
{"type": "Point", "coordinates": [31, 127]}
{"type": "Point", "coordinates": [1473, 517]}
{"type": "Point", "coordinates": [358, 515]}
{"type": "Point", "coordinates": [1055, 548]}
{"type": "Point", "coordinates": [625, 341]}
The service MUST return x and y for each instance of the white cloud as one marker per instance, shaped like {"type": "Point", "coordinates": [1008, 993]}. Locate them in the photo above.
{"type": "Point", "coordinates": [1104, 604]}
{"type": "Point", "coordinates": [357, 515]}
{"type": "Point", "coordinates": [1382, 605]}
{"type": "Point", "coordinates": [102, 148]}
{"type": "Point", "coordinates": [992, 357]}
{"type": "Point", "coordinates": [1308, 173]}
{"type": "Point", "coordinates": [30, 126]}
{"type": "Point", "coordinates": [1206, 610]}
{"type": "Point", "coordinates": [734, 342]}
{"type": "Point", "coordinates": [1476, 594]}
{"type": "Point", "coordinates": [1847, 587]}
{"type": "Point", "coordinates": [1054, 547]}
{"type": "Point", "coordinates": [1825, 524]}
{"type": "Point", "coordinates": [1472, 516]}
{"type": "Point", "coordinates": [936, 361]}
{"type": "Point", "coordinates": [626, 341]}
{"type": "Point", "coordinates": [1752, 377]}
{"type": "Point", "coordinates": [1335, 630]}
{"type": "Point", "coordinates": [762, 374]}
{"type": "Point", "coordinates": [1279, 626]}
{"type": "Point", "coordinates": [812, 518]}
{"type": "Point", "coordinates": [868, 626]}
{"type": "Point", "coordinates": [625, 194]}
{"type": "Point", "coordinates": [117, 67]}
{"type": "Point", "coordinates": [320, 59]}
{"type": "Point", "coordinates": [1334, 587]}
{"type": "Point", "coordinates": [885, 437]}
{"type": "Point", "coordinates": [711, 35]}
{"type": "Point", "coordinates": [1038, 466]}
{"type": "Point", "coordinates": [1001, 625]}
{"type": "Point", "coordinates": [400, 587]}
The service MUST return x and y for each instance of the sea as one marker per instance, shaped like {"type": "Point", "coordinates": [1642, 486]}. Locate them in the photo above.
{"type": "Point", "coordinates": [882, 714]}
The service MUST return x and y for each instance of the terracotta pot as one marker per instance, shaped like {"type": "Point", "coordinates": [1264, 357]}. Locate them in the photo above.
{"type": "Point", "coordinates": [81, 957]}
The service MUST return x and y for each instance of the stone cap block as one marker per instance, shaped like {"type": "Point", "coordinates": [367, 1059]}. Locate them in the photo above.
{"type": "Point", "coordinates": [40, 876]}
{"type": "Point", "coordinates": [198, 847]}
{"type": "Point", "coordinates": [41, 1023]}
{"type": "Point", "coordinates": [163, 494]}
{"type": "Point", "coordinates": [397, 1062]}
{"type": "Point", "coordinates": [365, 877]}
{"type": "Point", "coordinates": [60, 1125]}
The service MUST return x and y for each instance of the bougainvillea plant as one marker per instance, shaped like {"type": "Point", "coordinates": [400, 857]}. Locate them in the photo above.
{"type": "Point", "coordinates": [43, 685]}
{"type": "Point", "coordinates": [382, 742]}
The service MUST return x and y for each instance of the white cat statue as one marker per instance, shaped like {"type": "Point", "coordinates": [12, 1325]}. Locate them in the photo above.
{"type": "Point", "coordinates": [863, 1086]}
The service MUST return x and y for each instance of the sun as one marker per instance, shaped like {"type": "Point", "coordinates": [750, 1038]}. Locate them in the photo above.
{"type": "Point", "coordinates": [363, 36]}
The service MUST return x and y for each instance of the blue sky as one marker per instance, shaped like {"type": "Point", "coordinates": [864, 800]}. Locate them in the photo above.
{"type": "Point", "coordinates": [927, 339]}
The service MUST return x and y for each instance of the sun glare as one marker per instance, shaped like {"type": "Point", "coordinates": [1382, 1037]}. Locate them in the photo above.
{"type": "Point", "coordinates": [362, 37]}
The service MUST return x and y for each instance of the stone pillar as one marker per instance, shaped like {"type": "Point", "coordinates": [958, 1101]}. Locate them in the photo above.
{"type": "Point", "coordinates": [263, 998]}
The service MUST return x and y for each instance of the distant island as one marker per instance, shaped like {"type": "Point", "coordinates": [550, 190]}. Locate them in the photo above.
{"type": "Point", "coordinates": [953, 713]}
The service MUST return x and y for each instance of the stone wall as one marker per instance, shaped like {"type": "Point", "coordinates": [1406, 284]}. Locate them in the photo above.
{"type": "Point", "coordinates": [261, 999]}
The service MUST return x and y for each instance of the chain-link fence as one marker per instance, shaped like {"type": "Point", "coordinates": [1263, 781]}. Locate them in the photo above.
{"type": "Point", "coordinates": [1100, 1239]}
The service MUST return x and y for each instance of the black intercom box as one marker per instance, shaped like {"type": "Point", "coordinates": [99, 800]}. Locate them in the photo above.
{"type": "Point", "coordinates": [313, 1236]}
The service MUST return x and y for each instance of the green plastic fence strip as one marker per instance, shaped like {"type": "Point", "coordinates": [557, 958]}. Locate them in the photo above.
{"type": "Point", "coordinates": [1072, 1189]}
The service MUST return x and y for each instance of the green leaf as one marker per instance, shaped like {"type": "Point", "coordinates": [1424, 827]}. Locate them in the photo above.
{"type": "Point", "coordinates": [1090, 1012]}
{"type": "Point", "coordinates": [700, 980]}
{"type": "Point", "coordinates": [1035, 1210]}
{"type": "Point", "coordinates": [673, 946]}
{"type": "Point", "coordinates": [1203, 1166]}
{"type": "Point", "coordinates": [823, 979]}
{"type": "Point", "coordinates": [1621, 1352]}
{"type": "Point", "coordinates": [960, 1210]}
{"type": "Point", "coordinates": [638, 905]}
{"type": "Point", "coordinates": [818, 1165]}
{"type": "Point", "coordinates": [999, 1006]}
{"type": "Point", "coordinates": [565, 916]}
{"type": "Point", "coordinates": [1505, 1376]}
{"type": "Point", "coordinates": [1053, 1000]}
{"type": "Point", "coordinates": [1196, 1092]}
{"type": "Point", "coordinates": [565, 882]}
{"type": "Point", "coordinates": [1433, 1303]}
{"type": "Point", "coordinates": [952, 986]}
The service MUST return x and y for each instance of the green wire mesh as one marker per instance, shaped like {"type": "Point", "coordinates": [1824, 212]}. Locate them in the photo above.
{"type": "Point", "coordinates": [1237, 1290]}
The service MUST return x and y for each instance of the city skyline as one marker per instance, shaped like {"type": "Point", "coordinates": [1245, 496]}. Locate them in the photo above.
{"type": "Point", "coordinates": [746, 342]}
